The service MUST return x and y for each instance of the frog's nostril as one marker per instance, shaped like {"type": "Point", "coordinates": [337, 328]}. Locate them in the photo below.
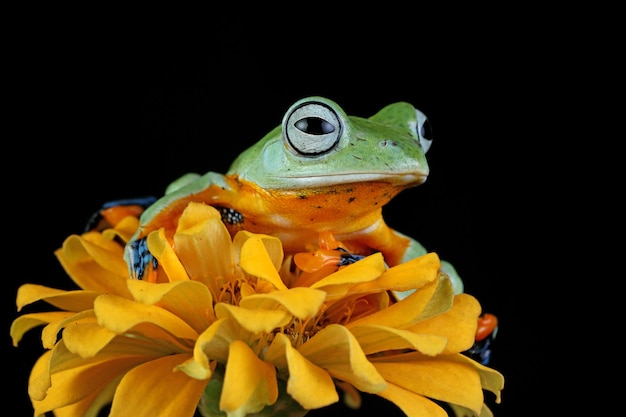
{"type": "Point", "coordinates": [385, 143]}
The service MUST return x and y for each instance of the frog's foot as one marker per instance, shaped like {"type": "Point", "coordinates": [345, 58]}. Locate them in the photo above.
{"type": "Point", "coordinates": [112, 212]}
{"type": "Point", "coordinates": [485, 335]}
{"type": "Point", "coordinates": [141, 262]}
{"type": "Point", "coordinates": [327, 241]}
{"type": "Point", "coordinates": [329, 253]}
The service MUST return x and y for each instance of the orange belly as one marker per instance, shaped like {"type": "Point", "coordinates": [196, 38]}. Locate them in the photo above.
{"type": "Point", "coordinates": [352, 212]}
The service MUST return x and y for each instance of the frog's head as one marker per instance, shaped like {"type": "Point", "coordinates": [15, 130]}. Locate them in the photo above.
{"type": "Point", "coordinates": [319, 145]}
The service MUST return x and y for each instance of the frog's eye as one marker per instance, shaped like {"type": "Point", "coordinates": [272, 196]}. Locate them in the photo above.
{"type": "Point", "coordinates": [424, 130]}
{"type": "Point", "coordinates": [312, 128]}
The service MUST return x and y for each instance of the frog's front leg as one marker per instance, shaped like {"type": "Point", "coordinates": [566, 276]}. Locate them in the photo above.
{"type": "Point", "coordinates": [416, 249]}
{"type": "Point", "coordinates": [181, 182]}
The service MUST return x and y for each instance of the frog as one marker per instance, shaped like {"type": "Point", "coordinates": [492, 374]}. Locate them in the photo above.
{"type": "Point", "coordinates": [320, 170]}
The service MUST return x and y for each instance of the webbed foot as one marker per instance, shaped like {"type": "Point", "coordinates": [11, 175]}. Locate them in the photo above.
{"type": "Point", "coordinates": [139, 258]}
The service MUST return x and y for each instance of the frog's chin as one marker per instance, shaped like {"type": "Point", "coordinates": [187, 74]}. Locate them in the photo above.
{"type": "Point", "coordinates": [396, 179]}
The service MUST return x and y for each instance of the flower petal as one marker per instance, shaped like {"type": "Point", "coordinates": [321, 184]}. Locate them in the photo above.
{"type": "Point", "coordinates": [50, 333]}
{"type": "Point", "coordinates": [256, 261]}
{"type": "Point", "coordinates": [302, 302]}
{"type": "Point", "coordinates": [338, 283]}
{"type": "Point", "coordinates": [413, 405]}
{"type": "Point", "coordinates": [75, 384]}
{"type": "Point", "coordinates": [156, 389]}
{"type": "Point", "coordinates": [432, 299]}
{"type": "Point", "coordinates": [90, 379]}
{"type": "Point", "coordinates": [91, 405]}
{"type": "Point", "coordinates": [440, 379]}
{"type": "Point", "coordinates": [249, 382]}
{"type": "Point", "coordinates": [200, 232]}
{"type": "Point", "coordinates": [94, 263]}
{"type": "Point", "coordinates": [119, 315]}
{"type": "Point", "coordinates": [490, 379]}
{"type": "Point", "coordinates": [213, 344]}
{"type": "Point", "coordinates": [308, 384]}
{"type": "Point", "coordinates": [124, 230]}
{"type": "Point", "coordinates": [26, 322]}
{"type": "Point", "coordinates": [460, 411]}
{"type": "Point", "coordinates": [409, 275]}
{"type": "Point", "coordinates": [86, 339]}
{"type": "Point", "coordinates": [335, 349]}
{"type": "Point", "coordinates": [119, 347]}
{"type": "Point", "coordinates": [255, 321]}
{"type": "Point", "coordinates": [374, 339]}
{"type": "Point", "coordinates": [273, 246]}
{"type": "Point", "coordinates": [39, 379]}
{"type": "Point", "coordinates": [189, 300]}
{"type": "Point", "coordinates": [164, 253]}
{"type": "Point", "coordinates": [458, 324]}
{"type": "Point", "coordinates": [65, 300]}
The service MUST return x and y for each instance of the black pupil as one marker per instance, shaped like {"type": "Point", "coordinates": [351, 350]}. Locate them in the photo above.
{"type": "Point", "coordinates": [314, 126]}
{"type": "Point", "coordinates": [427, 130]}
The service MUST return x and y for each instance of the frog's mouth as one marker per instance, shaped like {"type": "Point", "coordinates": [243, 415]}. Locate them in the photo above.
{"type": "Point", "coordinates": [406, 179]}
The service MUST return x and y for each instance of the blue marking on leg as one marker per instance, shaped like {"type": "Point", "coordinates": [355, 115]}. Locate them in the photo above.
{"type": "Point", "coordinates": [481, 351]}
{"type": "Point", "coordinates": [140, 258]}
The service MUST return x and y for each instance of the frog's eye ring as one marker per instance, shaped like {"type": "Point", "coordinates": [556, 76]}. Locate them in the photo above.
{"type": "Point", "coordinates": [312, 129]}
{"type": "Point", "coordinates": [424, 130]}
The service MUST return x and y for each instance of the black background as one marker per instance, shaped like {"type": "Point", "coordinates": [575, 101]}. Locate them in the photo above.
{"type": "Point", "coordinates": [111, 109]}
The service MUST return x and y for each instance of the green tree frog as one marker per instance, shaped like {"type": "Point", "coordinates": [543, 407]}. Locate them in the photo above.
{"type": "Point", "coordinates": [320, 170]}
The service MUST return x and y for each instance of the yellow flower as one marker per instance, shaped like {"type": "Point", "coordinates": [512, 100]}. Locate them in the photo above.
{"type": "Point", "coordinates": [232, 328]}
